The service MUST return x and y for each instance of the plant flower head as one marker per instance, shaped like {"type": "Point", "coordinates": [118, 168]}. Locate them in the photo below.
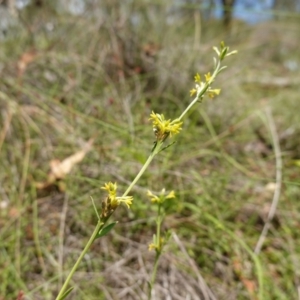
{"type": "Point", "coordinates": [193, 92]}
{"type": "Point", "coordinates": [163, 128]}
{"type": "Point", "coordinates": [111, 202]}
{"type": "Point", "coordinates": [202, 88]}
{"type": "Point", "coordinates": [162, 197]}
{"type": "Point", "coordinates": [208, 77]}
{"type": "Point", "coordinates": [111, 188]}
{"type": "Point", "coordinates": [152, 246]}
{"type": "Point", "coordinates": [157, 244]}
{"type": "Point", "coordinates": [197, 78]}
{"type": "Point", "coordinates": [223, 51]}
{"type": "Point", "coordinates": [213, 92]}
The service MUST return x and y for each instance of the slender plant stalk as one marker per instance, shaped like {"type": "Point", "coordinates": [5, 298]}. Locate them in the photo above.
{"type": "Point", "coordinates": [153, 276]}
{"type": "Point", "coordinates": [192, 104]}
{"type": "Point", "coordinates": [102, 223]}
{"type": "Point", "coordinates": [154, 272]}
{"type": "Point", "coordinates": [158, 250]}
{"type": "Point", "coordinates": [99, 226]}
{"type": "Point", "coordinates": [145, 166]}
{"type": "Point", "coordinates": [163, 129]}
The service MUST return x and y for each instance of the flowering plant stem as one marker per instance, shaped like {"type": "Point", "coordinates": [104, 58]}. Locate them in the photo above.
{"type": "Point", "coordinates": [163, 129]}
{"type": "Point", "coordinates": [201, 92]}
{"type": "Point", "coordinates": [155, 150]}
{"type": "Point", "coordinates": [63, 289]}
{"type": "Point", "coordinates": [101, 223]}
{"type": "Point", "coordinates": [158, 250]}
{"type": "Point", "coordinates": [154, 271]}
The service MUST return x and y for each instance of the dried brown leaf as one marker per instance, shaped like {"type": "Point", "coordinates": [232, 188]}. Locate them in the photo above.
{"type": "Point", "coordinates": [60, 169]}
{"type": "Point", "coordinates": [25, 59]}
{"type": "Point", "coordinates": [20, 295]}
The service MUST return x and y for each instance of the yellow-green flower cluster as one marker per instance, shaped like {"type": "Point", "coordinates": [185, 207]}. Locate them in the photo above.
{"type": "Point", "coordinates": [152, 246]}
{"type": "Point", "coordinates": [162, 197]}
{"type": "Point", "coordinates": [156, 245]}
{"type": "Point", "coordinates": [200, 86]}
{"type": "Point", "coordinates": [203, 87]}
{"type": "Point", "coordinates": [163, 128]}
{"type": "Point", "coordinates": [111, 189]}
{"type": "Point", "coordinates": [112, 201]}
{"type": "Point", "coordinates": [223, 51]}
{"type": "Point", "coordinates": [159, 242]}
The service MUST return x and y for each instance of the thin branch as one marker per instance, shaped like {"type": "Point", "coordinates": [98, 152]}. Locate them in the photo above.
{"type": "Point", "coordinates": [276, 195]}
{"type": "Point", "coordinates": [207, 293]}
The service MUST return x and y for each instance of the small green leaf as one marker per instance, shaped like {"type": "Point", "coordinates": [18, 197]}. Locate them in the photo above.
{"type": "Point", "coordinates": [104, 231]}
{"type": "Point", "coordinates": [164, 148]}
{"type": "Point", "coordinates": [95, 208]}
{"type": "Point", "coordinates": [66, 293]}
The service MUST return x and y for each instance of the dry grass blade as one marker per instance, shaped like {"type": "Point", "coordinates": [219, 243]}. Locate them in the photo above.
{"type": "Point", "coordinates": [5, 127]}
{"type": "Point", "coordinates": [207, 293]}
{"type": "Point", "coordinates": [276, 195]}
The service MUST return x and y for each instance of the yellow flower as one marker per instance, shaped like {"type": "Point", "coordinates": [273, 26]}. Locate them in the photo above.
{"type": "Point", "coordinates": [152, 247]}
{"type": "Point", "coordinates": [213, 92]}
{"type": "Point", "coordinates": [152, 197]}
{"type": "Point", "coordinates": [161, 197]}
{"type": "Point", "coordinates": [112, 201]}
{"type": "Point", "coordinates": [156, 245]}
{"type": "Point", "coordinates": [171, 195]}
{"type": "Point", "coordinates": [208, 77]}
{"type": "Point", "coordinates": [193, 92]}
{"type": "Point", "coordinates": [127, 200]}
{"type": "Point", "coordinates": [163, 128]}
{"type": "Point", "coordinates": [197, 78]}
{"type": "Point", "coordinates": [111, 188]}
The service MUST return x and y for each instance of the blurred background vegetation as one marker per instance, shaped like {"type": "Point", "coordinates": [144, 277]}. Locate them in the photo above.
{"type": "Point", "coordinates": [76, 73]}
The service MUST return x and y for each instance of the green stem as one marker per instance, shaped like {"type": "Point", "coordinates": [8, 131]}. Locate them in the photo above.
{"type": "Point", "coordinates": [153, 277]}
{"type": "Point", "coordinates": [193, 102]}
{"type": "Point", "coordinates": [158, 251]}
{"type": "Point", "coordinates": [84, 251]}
{"type": "Point", "coordinates": [145, 166]}
{"type": "Point", "coordinates": [159, 221]}
{"type": "Point", "coordinates": [101, 223]}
